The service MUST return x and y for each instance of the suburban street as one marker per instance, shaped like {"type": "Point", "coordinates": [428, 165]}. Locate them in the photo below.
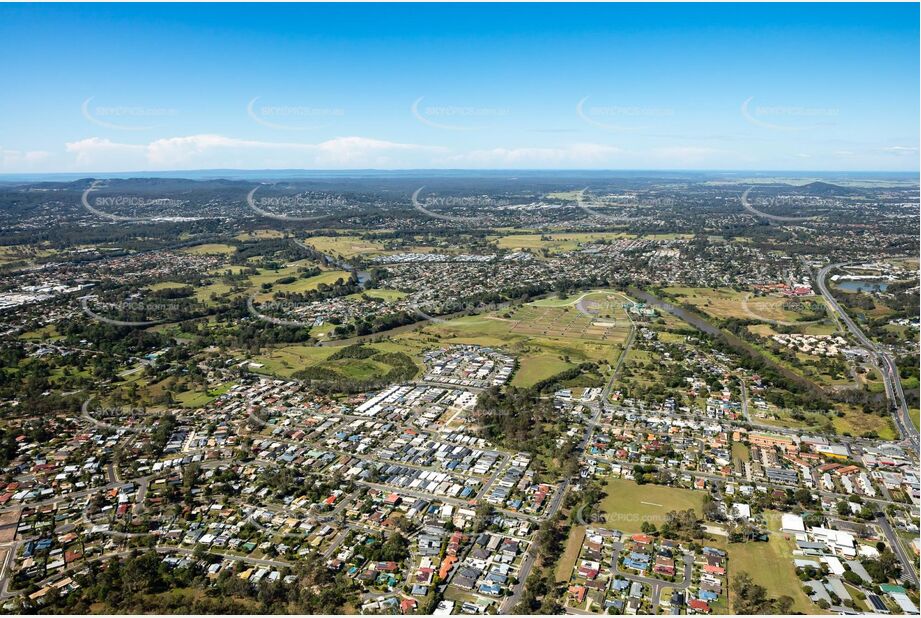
{"type": "Point", "coordinates": [657, 584]}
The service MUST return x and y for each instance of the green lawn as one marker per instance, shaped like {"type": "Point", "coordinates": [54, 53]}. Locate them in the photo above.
{"type": "Point", "coordinates": [198, 399]}
{"type": "Point", "coordinates": [284, 361]}
{"type": "Point", "coordinates": [210, 249]}
{"type": "Point", "coordinates": [345, 246]}
{"type": "Point", "coordinates": [627, 505]}
{"type": "Point", "coordinates": [535, 367]}
{"type": "Point", "coordinates": [740, 452]}
{"type": "Point", "coordinates": [380, 293]}
{"type": "Point", "coordinates": [770, 565]}
{"type": "Point", "coordinates": [568, 560]}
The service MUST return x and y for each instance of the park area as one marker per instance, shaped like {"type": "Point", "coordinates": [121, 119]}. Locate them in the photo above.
{"type": "Point", "coordinates": [627, 504]}
{"type": "Point", "coordinates": [780, 578]}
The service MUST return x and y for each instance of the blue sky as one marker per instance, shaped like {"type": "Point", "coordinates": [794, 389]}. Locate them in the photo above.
{"type": "Point", "coordinates": [655, 86]}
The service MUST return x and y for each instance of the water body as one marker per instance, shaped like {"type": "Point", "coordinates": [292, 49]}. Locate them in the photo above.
{"type": "Point", "coordinates": [363, 275]}
{"type": "Point", "coordinates": [737, 343]}
{"type": "Point", "coordinates": [862, 285]}
{"type": "Point", "coordinates": [694, 320]}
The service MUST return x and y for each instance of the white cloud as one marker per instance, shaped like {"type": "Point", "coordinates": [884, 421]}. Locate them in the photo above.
{"type": "Point", "coordinates": [212, 151]}
{"type": "Point", "coordinates": [94, 150]}
{"type": "Point", "coordinates": [901, 150]}
{"type": "Point", "coordinates": [218, 151]}
{"type": "Point", "coordinates": [358, 151]}
{"type": "Point", "coordinates": [29, 159]}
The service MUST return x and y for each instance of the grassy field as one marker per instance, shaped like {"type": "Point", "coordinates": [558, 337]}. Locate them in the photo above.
{"type": "Point", "coordinates": [26, 254]}
{"type": "Point", "coordinates": [727, 303]}
{"type": "Point", "coordinates": [380, 293]}
{"type": "Point", "coordinates": [259, 234]}
{"type": "Point", "coordinates": [198, 399]}
{"type": "Point", "coordinates": [780, 578]}
{"type": "Point", "coordinates": [547, 337]}
{"type": "Point", "coordinates": [627, 505]}
{"type": "Point", "coordinates": [856, 423]}
{"type": "Point", "coordinates": [284, 361]}
{"type": "Point", "coordinates": [253, 285]}
{"type": "Point", "coordinates": [740, 452]}
{"type": "Point", "coordinates": [218, 288]}
{"type": "Point", "coordinates": [183, 392]}
{"type": "Point", "coordinates": [298, 285]}
{"type": "Point", "coordinates": [479, 330]}
{"type": "Point", "coordinates": [853, 422]}
{"type": "Point", "coordinates": [345, 246]}
{"type": "Point", "coordinates": [567, 323]}
{"type": "Point", "coordinates": [824, 327]}
{"type": "Point", "coordinates": [45, 333]}
{"type": "Point", "coordinates": [210, 249]}
{"type": "Point", "coordinates": [535, 367]}
{"type": "Point", "coordinates": [915, 414]}
{"type": "Point", "coordinates": [567, 561]}
{"type": "Point", "coordinates": [554, 243]}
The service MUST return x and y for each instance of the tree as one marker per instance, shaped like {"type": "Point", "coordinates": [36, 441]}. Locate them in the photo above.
{"type": "Point", "coordinates": [843, 508]}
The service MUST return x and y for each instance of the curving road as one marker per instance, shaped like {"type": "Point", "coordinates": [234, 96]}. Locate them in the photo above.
{"type": "Point", "coordinates": [880, 357]}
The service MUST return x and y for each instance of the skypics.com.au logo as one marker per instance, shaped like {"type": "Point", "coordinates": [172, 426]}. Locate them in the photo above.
{"type": "Point", "coordinates": [431, 202]}
{"type": "Point", "coordinates": [292, 117]}
{"type": "Point", "coordinates": [281, 207]}
{"type": "Point", "coordinates": [456, 117]}
{"type": "Point", "coordinates": [158, 208]}
{"type": "Point", "coordinates": [125, 117]}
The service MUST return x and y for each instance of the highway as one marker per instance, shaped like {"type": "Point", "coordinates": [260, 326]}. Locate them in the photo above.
{"type": "Point", "coordinates": [880, 357]}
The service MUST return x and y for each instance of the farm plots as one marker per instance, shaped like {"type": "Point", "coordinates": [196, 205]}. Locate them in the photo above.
{"type": "Point", "coordinates": [566, 322]}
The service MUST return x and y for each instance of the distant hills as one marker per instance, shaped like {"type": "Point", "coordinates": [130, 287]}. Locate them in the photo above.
{"type": "Point", "coordinates": [826, 189]}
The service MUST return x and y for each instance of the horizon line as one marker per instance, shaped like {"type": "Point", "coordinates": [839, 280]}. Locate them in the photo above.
{"type": "Point", "coordinates": [224, 170]}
